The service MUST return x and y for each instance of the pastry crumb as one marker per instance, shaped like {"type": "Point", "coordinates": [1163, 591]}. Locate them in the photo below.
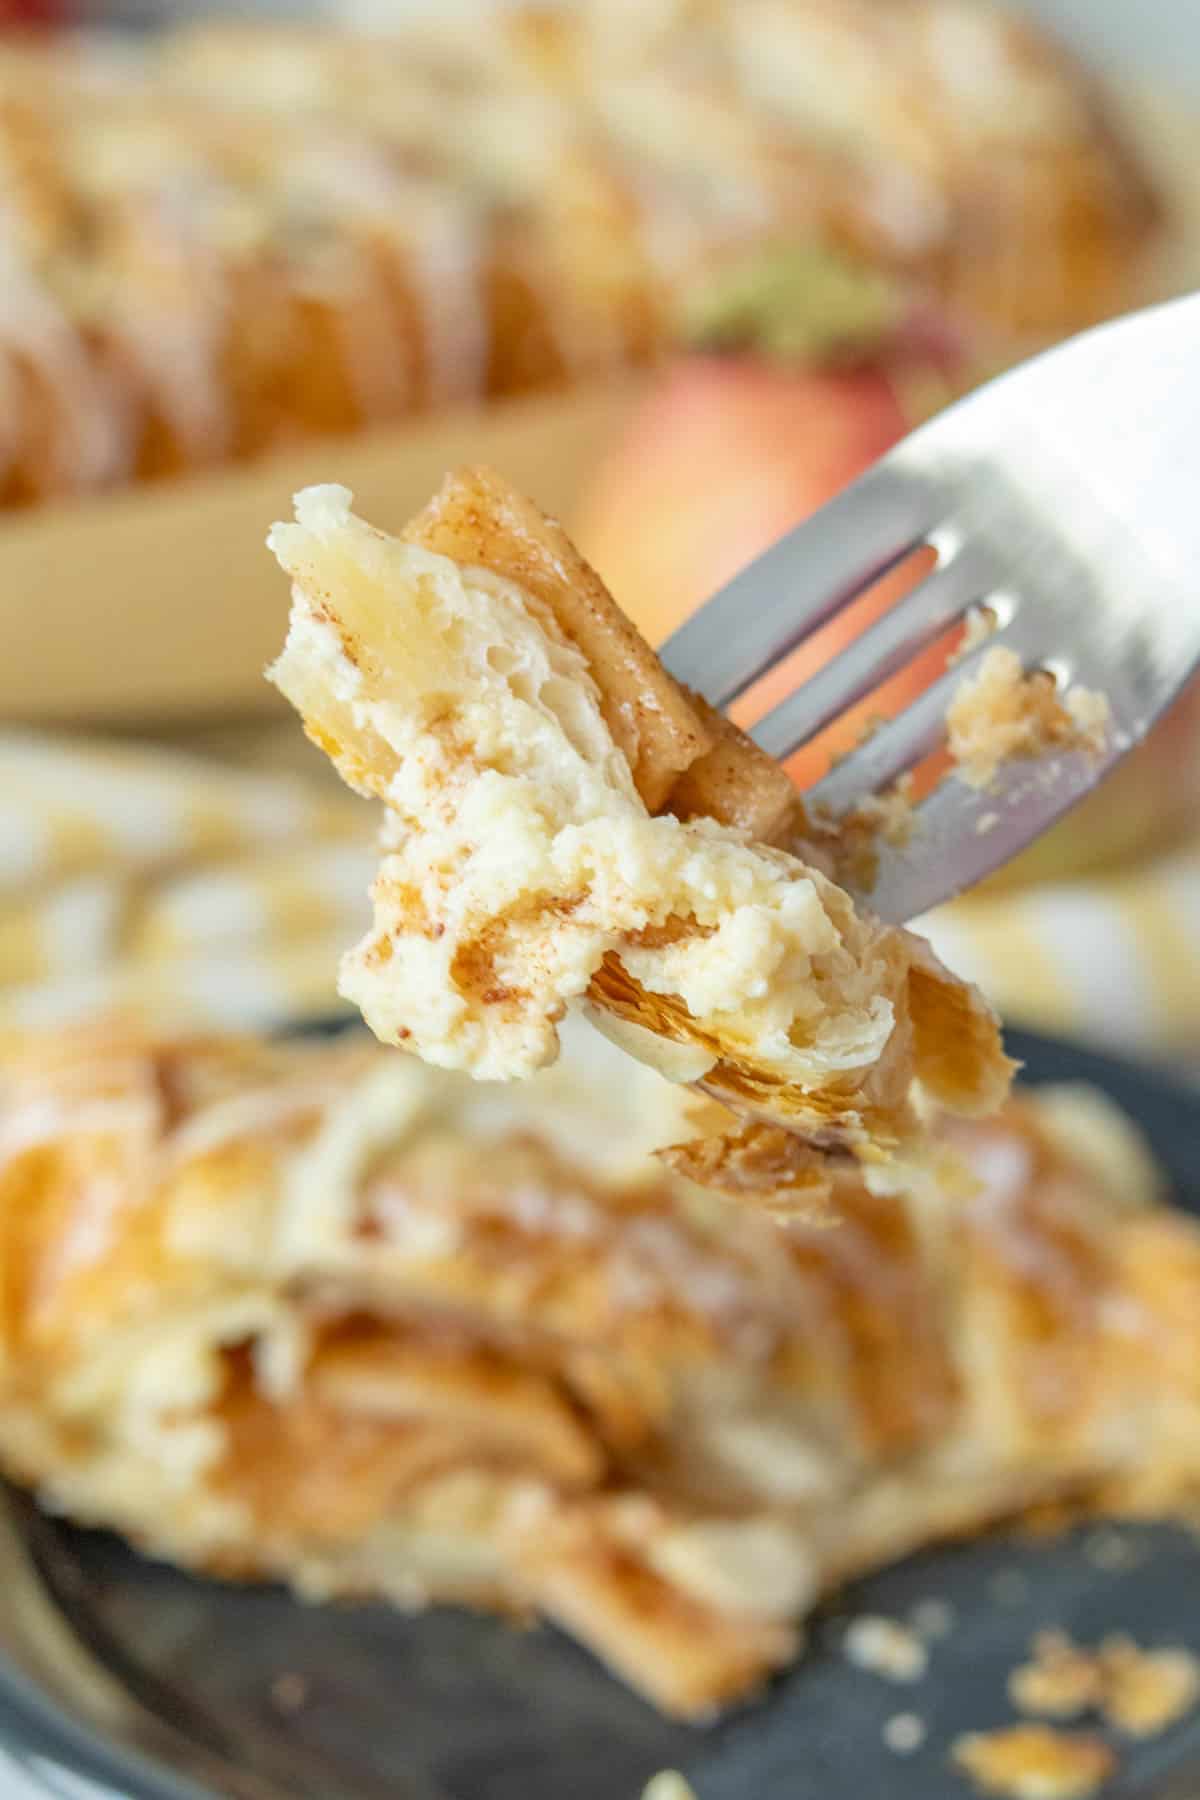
{"type": "Point", "coordinates": [849, 844]}
{"type": "Point", "coordinates": [1060, 1681]}
{"type": "Point", "coordinates": [889, 815]}
{"type": "Point", "coordinates": [1140, 1692]}
{"type": "Point", "coordinates": [885, 1647]}
{"type": "Point", "coordinates": [1147, 1691]}
{"type": "Point", "coordinates": [1034, 1762]}
{"type": "Point", "coordinates": [1000, 714]}
{"type": "Point", "coordinates": [668, 1784]}
{"type": "Point", "coordinates": [904, 1733]}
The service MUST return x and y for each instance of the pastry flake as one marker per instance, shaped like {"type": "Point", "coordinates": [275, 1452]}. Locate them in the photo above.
{"type": "Point", "coordinates": [1001, 714]}
{"type": "Point", "coordinates": [1140, 1691]}
{"type": "Point", "coordinates": [564, 825]}
{"type": "Point", "coordinates": [1035, 1762]}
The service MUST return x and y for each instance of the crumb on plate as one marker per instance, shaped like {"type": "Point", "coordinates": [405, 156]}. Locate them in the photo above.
{"type": "Point", "coordinates": [1140, 1692]}
{"type": "Point", "coordinates": [885, 1647]}
{"type": "Point", "coordinates": [1034, 1762]}
{"type": "Point", "coordinates": [668, 1784]}
{"type": "Point", "coordinates": [1060, 1681]}
{"type": "Point", "coordinates": [1001, 714]}
{"type": "Point", "coordinates": [904, 1733]}
{"type": "Point", "coordinates": [1147, 1691]}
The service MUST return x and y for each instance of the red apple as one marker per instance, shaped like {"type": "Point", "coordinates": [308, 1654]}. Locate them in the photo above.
{"type": "Point", "coordinates": [725, 454]}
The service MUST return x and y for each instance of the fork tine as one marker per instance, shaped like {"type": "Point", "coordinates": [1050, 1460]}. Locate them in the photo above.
{"type": "Point", "coordinates": [961, 834]}
{"type": "Point", "coordinates": [919, 616]}
{"type": "Point", "coordinates": [804, 580]}
{"type": "Point", "coordinates": [921, 727]}
{"type": "Point", "coordinates": [891, 750]}
{"type": "Point", "coordinates": [1060, 494]}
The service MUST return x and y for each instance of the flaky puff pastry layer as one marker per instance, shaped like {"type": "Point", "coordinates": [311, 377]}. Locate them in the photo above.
{"type": "Point", "coordinates": [320, 1313]}
{"type": "Point", "coordinates": [564, 824]}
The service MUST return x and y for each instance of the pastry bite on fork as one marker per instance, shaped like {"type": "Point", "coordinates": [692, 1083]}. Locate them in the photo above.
{"type": "Point", "coordinates": [563, 825]}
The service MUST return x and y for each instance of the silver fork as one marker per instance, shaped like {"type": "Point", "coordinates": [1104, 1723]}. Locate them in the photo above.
{"type": "Point", "coordinates": [1066, 497]}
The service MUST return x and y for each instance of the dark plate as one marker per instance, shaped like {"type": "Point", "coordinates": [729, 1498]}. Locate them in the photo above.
{"type": "Point", "coordinates": [124, 1678]}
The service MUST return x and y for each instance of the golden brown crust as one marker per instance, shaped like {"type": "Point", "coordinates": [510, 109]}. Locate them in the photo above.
{"type": "Point", "coordinates": [669, 1647]}
{"type": "Point", "coordinates": [1035, 1762]}
{"type": "Point", "coordinates": [519, 1413]}
{"type": "Point", "coordinates": [478, 518]}
{"type": "Point", "coordinates": [956, 1040]}
{"type": "Point", "coordinates": [686, 758]}
{"type": "Point", "coordinates": [763, 1162]}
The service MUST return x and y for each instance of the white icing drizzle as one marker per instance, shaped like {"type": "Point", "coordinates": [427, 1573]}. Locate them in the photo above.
{"type": "Point", "coordinates": [446, 263]}
{"type": "Point", "coordinates": [320, 1202]}
{"type": "Point", "coordinates": [244, 1115]}
{"type": "Point", "coordinates": [441, 243]}
{"type": "Point", "coordinates": [88, 1233]}
{"type": "Point", "coordinates": [92, 441]}
{"type": "Point", "coordinates": [364, 329]}
{"type": "Point", "coordinates": [24, 1125]}
{"type": "Point", "coordinates": [177, 347]}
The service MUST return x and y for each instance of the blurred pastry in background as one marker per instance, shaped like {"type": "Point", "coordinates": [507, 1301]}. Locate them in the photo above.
{"type": "Point", "coordinates": [237, 237]}
{"type": "Point", "coordinates": [316, 1312]}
